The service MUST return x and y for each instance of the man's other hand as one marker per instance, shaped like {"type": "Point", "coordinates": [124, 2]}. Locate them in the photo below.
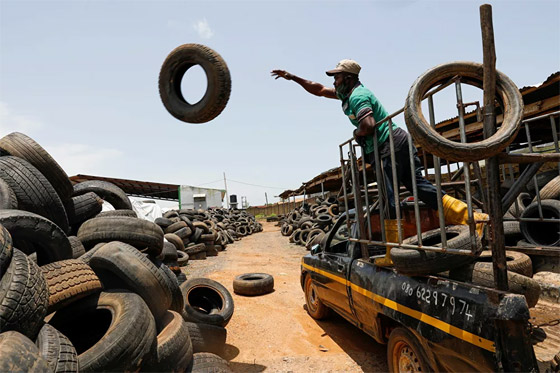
{"type": "Point", "coordinates": [281, 74]}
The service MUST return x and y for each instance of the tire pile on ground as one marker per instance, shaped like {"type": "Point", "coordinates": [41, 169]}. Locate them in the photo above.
{"type": "Point", "coordinates": [308, 224]}
{"type": "Point", "coordinates": [102, 300]}
{"type": "Point", "coordinates": [196, 234]}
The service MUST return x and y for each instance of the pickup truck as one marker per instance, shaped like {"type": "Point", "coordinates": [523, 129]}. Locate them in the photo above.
{"type": "Point", "coordinates": [429, 323]}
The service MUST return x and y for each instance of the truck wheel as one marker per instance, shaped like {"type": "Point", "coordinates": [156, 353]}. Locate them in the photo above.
{"type": "Point", "coordinates": [174, 68]}
{"type": "Point", "coordinates": [404, 353]}
{"type": "Point", "coordinates": [422, 132]}
{"type": "Point", "coordinates": [315, 308]}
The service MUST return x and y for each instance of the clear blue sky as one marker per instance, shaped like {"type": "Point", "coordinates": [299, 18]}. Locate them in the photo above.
{"type": "Point", "coordinates": [80, 77]}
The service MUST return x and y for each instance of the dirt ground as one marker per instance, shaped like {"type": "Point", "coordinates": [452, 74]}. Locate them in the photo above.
{"type": "Point", "coordinates": [274, 332]}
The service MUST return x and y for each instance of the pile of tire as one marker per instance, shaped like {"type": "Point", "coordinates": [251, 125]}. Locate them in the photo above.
{"type": "Point", "coordinates": [309, 224]}
{"type": "Point", "coordinates": [196, 234]}
{"type": "Point", "coordinates": [110, 300]}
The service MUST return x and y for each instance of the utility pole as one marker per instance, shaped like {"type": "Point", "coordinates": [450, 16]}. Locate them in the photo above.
{"type": "Point", "coordinates": [227, 196]}
{"type": "Point", "coordinates": [266, 198]}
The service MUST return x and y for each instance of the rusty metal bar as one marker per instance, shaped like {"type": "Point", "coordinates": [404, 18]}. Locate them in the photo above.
{"type": "Point", "coordinates": [466, 165]}
{"type": "Point", "coordinates": [344, 188]}
{"type": "Point", "coordinates": [395, 181]}
{"type": "Point", "coordinates": [357, 201]}
{"type": "Point", "coordinates": [492, 170]}
{"type": "Point", "coordinates": [515, 189]}
{"type": "Point", "coordinates": [380, 188]}
{"type": "Point", "coordinates": [467, 252]}
{"type": "Point", "coordinates": [437, 169]}
{"type": "Point", "coordinates": [415, 189]}
{"type": "Point", "coordinates": [366, 196]}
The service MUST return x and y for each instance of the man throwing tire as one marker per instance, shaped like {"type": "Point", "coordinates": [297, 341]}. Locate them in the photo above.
{"type": "Point", "coordinates": [365, 112]}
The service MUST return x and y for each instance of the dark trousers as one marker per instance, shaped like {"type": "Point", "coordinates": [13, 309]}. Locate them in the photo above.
{"type": "Point", "coordinates": [427, 192]}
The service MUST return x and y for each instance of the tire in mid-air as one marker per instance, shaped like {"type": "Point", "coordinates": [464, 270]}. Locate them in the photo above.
{"type": "Point", "coordinates": [217, 93]}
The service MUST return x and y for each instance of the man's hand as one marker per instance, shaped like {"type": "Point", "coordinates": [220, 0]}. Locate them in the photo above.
{"type": "Point", "coordinates": [281, 74]}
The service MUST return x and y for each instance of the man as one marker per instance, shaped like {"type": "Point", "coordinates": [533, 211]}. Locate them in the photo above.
{"type": "Point", "coordinates": [365, 111]}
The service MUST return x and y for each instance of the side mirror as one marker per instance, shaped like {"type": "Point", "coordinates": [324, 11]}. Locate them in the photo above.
{"type": "Point", "coordinates": [315, 249]}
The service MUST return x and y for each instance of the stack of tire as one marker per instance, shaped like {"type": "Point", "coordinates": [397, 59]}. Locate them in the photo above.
{"type": "Point", "coordinates": [308, 224]}
{"type": "Point", "coordinates": [527, 233]}
{"type": "Point", "coordinates": [110, 302]}
{"type": "Point", "coordinates": [196, 234]}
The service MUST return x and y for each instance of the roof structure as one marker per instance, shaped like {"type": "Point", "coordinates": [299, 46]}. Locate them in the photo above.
{"type": "Point", "coordinates": [538, 100]}
{"type": "Point", "coordinates": [136, 188]}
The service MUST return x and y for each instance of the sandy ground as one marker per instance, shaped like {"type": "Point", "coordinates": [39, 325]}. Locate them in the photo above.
{"type": "Point", "coordinates": [274, 332]}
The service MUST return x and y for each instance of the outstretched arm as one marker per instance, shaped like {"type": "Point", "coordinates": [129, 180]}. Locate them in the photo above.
{"type": "Point", "coordinates": [314, 88]}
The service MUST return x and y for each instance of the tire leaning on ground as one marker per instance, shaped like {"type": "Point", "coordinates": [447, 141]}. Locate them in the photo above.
{"type": "Point", "coordinates": [121, 266]}
{"type": "Point", "coordinates": [480, 273]}
{"type": "Point", "coordinates": [22, 146]}
{"type": "Point", "coordinates": [253, 284]}
{"type": "Point", "coordinates": [106, 190]}
{"type": "Point", "coordinates": [24, 296]}
{"type": "Point", "coordinates": [207, 338]}
{"type": "Point", "coordinates": [208, 362]}
{"type": "Point", "coordinates": [421, 262]}
{"type": "Point", "coordinates": [472, 73]}
{"type": "Point", "coordinates": [57, 350]}
{"type": "Point", "coordinates": [551, 190]}
{"type": "Point", "coordinates": [541, 233]}
{"type": "Point", "coordinates": [142, 234]}
{"type": "Point", "coordinates": [207, 301]}
{"type": "Point", "coordinates": [174, 351]}
{"type": "Point", "coordinates": [218, 90]}
{"type": "Point", "coordinates": [113, 331]}
{"type": "Point", "coordinates": [515, 261]}
{"type": "Point", "coordinates": [68, 281]}
{"type": "Point", "coordinates": [19, 354]}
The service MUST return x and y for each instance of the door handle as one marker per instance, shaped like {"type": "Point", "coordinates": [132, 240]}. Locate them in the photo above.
{"type": "Point", "coordinates": [340, 267]}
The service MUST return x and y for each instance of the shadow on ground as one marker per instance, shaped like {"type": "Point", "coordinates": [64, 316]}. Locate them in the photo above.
{"type": "Point", "coordinates": [360, 347]}
{"type": "Point", "coordinates": [246, 367]}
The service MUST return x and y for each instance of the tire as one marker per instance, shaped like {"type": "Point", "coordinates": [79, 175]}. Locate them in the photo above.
{"type": "Point", "coordinates": [22, 146]}
{"type": "Point", "coordinates": [430, 140]}
{"type": "Point", "coordinates": [8, 199]}
{"type": "Point", "coordinates": [202, 226]}
{"type": "Point", "coordinates": [333, 210]}
{"type": "Point", "coordinates": [543, 178]}
{"type": "Point", "coordinates": [207, 301]}
{"type": "Point", "coordinates": [68, 281]}
{"type": "Point", "coordinates": [142, 234]}
{"type": "Point", "coordinates": [211, 250]}
{"type": "Point", "coordinates": [181, 277]}
{"type": "Point", "coordinates": [170, 214]}
{"type": "Point", "coordinates": [88, 255]}
{"type": "Point", "coordinates": [6, 249]}
{"type": "Point", "coordinates": [315, 237]}
{"type": "Point", "coordinates": [108, 191]}
{"type": "Point", "coordinates": [204, 362]}
{"type": "Point", "coordinates": [404, 349]}
{"type": "Point", "coordinates": [183, 233]}
{"type": "Point", "coordinates": [482, 274]}
{"type": "Point", "coordinates": [219, 83]}
{"type": "Point", "coordinates": [207, 338]}
{"type": "Point", "coordinates": [112, 331]}
{"type": "Point", "coordinates": [121, 266]}
{"type": "Point", "coordinates": [515, 261]}
{"type": "Point", "coordinates": [174, 351]}
{"type": "Point", "coordinates": [33, 191]}
{"type": "Point", "coordinates": [523, 200]}
{"type": "Point", "coordinates": [177, 301]}
{"type": "Point", "coordinates": [422, 262]}
{"type": "Point", "coordinates": [119, 212]}
{"type": "Point", "coordinates": [163, 222]}
{"type": "Point", "coordinates": [77, 248]}
{"type": "Point", "coordinates": [46, 238]}
{"type": "Point", "coordinates": [540, 233]}
{"type": "Point", "coordinates": [57, 350]}
{"type": "Point", "coordinates": [24, 297]}
{"type": "Point", "coordinates": [551, 190]}
{"type": "Point", "coordinates": [196, 235]}
{"type": "Point", "coordinates": [168, 254]}
{"type": "Point", "coordinates": [175, 227]}
{"type": "Point", "coordinates": [19, 354]}
{"type": "Point", "coordinates": [512, 232]}
{"type": "Point", "coordinates": [195, 249]}
{"type": "Point", "coordinates": [253, 284]}
{"type": "Point", "coordinates": [315, 307]}
{"type": "Point", "coordinates": [83, 207]}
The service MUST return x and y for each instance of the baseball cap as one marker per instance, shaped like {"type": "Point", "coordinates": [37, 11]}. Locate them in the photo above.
{"type": "Point", "coordinates": [345, 66]}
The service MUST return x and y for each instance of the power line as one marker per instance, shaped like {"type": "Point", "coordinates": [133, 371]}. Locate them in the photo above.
{"type": "Point", "coordinates": [262, 186]}
{"type": "Point", "coordinates": [211, 182]}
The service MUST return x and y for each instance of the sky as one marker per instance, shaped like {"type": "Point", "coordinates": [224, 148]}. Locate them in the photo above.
{"type": "Point", "coordinates": [81, 78]}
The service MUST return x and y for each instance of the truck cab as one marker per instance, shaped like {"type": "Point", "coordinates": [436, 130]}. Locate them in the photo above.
{"type": "Point", "coordinates": [429, 323]}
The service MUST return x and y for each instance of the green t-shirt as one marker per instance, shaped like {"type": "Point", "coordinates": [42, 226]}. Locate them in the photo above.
{"type": "Point", "coordinates": [362, 103]}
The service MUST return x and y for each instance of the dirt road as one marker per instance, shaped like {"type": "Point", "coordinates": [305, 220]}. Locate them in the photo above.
{"type": "Point", "coordinates": [274, 332]}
